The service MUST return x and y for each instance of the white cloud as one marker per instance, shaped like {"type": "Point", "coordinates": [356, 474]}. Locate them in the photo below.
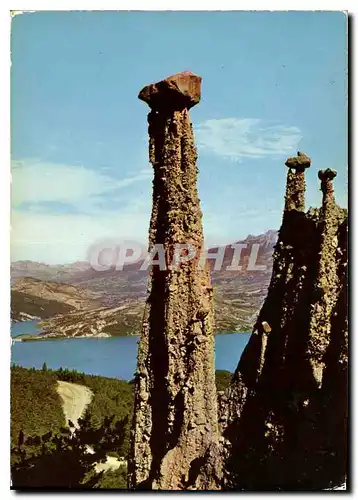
{"type": "Point", "coordinates": [62, 238]}
{"type": "Point", "coordinates": [236, 138]}
{"type": "Point", "coordinates": [35, 182]}
{"type": "Point", "coordinates": [41, 234]}
{"type": "Point", "coordinates": [54, 237]}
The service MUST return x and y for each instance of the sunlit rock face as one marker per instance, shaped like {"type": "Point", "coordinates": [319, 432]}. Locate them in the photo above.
{"type": "Point", "coordinates": [175, 439]}
{"type": "Point", "coordinates": [282, 424]}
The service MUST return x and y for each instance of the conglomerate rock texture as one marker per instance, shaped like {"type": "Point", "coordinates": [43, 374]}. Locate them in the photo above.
{"type": "Point", "coordinates": [285, 414]}
{"type": "Point", "coordinates": [175, 439]}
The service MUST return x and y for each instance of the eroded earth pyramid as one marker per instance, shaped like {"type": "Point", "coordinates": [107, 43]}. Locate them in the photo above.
{"type": "Point", "coordinates": [285, 413]}
{"type": "Point", "coordinates": [174, 437]}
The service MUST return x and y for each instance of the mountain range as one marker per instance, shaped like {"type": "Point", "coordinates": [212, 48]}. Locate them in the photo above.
{"type": "Point", "coordinates": [76, 300]}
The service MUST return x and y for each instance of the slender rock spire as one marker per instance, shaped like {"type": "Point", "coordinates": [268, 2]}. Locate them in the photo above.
{"type": "Point", "coordinates": [175, 411]}
{"type": "Point", "coordinates": [326, 177]}
{"type": "Point", "coordinates": [285, 413]}
{"type": "Point", "coordinates": [327, 279]}
{"type": "Point", "coordinates": [296, 186]}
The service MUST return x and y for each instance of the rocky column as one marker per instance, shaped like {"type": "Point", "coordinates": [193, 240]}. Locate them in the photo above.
{"type": "Point", "coordinates": [175, 432]}
{"type": "Point", "coordinates": [326, 177]}
{"type": "Point", "coordinates": [279, 304]}
{"type": "Point", "coordinates": [327, 279]}
{"type": "Point", "coordinates": [288, 273]}
{"type": "Point", "coordinates": [296, 186]}
{"type": "Point", "coordinates": [285, 412]}
{"type": "Point", "coordinates": [289, 241]}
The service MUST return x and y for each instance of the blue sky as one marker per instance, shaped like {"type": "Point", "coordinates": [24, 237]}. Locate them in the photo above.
{"type": "Point", "coordinates": [273, 83]}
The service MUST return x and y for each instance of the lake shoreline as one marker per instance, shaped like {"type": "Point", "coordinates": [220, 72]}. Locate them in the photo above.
{"type": "Point", "coordinates": [37, 335]}
{"type": "Point", "coordinates": [39, 338]}
{"type": "Point", "coordinates": [114, 357]}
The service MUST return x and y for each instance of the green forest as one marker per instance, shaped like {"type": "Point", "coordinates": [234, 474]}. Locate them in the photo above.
{"type": "Point", "coordinates": [41, 439]}
{"type": "Point", "coordinates": [35, 405]}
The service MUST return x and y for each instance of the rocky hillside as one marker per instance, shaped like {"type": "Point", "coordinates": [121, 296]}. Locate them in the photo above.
{"type": "Point", "coordinates": [238, 295]}
{"type": "Point", "coordinates": [31, 297]}
{"type": "Point", "coordinates": [131, 283]}
{"type": "Point", "coordinates": [127, 320]}
{"type": "Point", "coordinates": [100, 322]}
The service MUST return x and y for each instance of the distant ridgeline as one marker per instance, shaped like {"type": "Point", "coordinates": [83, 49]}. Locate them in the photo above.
{"type": "Point", "coordinates": [285, 413]}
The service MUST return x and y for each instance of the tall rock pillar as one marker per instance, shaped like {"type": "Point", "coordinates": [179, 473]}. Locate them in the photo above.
{"type": "Point", "coordinates": [285, 413]}
{"type": "Point", "coordinates": [175, 428]}
{"type": "Point", "coordinates": [327, 282]}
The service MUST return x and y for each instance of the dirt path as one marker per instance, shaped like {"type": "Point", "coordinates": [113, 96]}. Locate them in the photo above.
{"type": "Point", "coordinates": [75, 399]}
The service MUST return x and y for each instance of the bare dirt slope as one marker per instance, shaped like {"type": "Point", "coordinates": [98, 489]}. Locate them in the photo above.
{"type": "Point", "coordinates": [75, 399]}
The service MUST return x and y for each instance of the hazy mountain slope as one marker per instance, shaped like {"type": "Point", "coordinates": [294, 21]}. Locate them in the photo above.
{"type": "Point", "coordinates": [24, 307]}
{"type": "Point", "coordinates": [74, 296]}
{"type": "Point", "coordinates": [43, 299]}
{"type": "Point", "coordinates": [238, 295]}
{"type": "Point", "coordinates": [39, 270]}
{"type": "Point", "coordinates": [131, 283]}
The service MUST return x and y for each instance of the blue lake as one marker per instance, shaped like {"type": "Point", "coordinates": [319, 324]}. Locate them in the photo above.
{"type": "Point", "coordinates": [109, 357]}
{"type": "Point", "coordinates": [25, 327]}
